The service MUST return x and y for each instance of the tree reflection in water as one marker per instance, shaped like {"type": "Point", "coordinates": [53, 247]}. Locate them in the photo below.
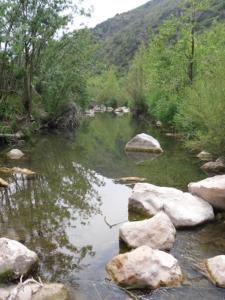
{"type": "Point", "coordinates": [39, 212]}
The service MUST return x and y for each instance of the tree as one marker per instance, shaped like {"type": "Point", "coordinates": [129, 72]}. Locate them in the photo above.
{"type": "Point", "coordinates": [105, 88]}
{"type": "Point", "coordinates": [64, 71]}
{"type": "Point", "coordinates": [136, 82]}
{"type": "Point", "coordinates": [191, 11]}
{"type": "Point", "coordinates": [27, 28]}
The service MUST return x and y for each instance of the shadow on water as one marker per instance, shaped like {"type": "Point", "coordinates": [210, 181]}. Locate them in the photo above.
{"type": "Point", "coordinates": [65, 215]}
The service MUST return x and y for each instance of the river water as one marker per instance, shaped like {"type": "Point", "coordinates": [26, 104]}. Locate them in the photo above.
{"type": "Point", "coordinates": [65, 215]}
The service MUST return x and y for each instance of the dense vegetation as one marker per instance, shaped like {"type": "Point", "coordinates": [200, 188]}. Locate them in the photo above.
{"type": "Point", "coordinates": [178, 77]}
{"type": "Point", "coordinates": [165, 59]}
{"type": "Point", "coordinates": [41, 66]}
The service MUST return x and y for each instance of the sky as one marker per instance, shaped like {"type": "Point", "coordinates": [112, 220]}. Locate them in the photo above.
{"type": "Point", "coordinates": [105, 9]}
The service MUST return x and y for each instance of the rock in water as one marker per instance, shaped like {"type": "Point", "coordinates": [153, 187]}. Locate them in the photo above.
{"type": "Point", "coordinates": [205, 156]}
{"type": "Point", "coordinates": [211, 189]}
{"type": "Point", "coordinates": [15, 170]}
{"type": "Point", "coordinates": [215, 268]}
{"type": "Point", "coordinates": [34, 291]}
{"type": "Point", "coordinates": [157, 233]}
{"type": "Point", "coordinates": [214, 167]}
{"type": "Point", "coordinates": [15, 259]}
{"type": "Point", "coordinates": [128, 180]}
{"type": "Point", "coordinates": [183, 209]}
{"type": "Point", "coordinates": [109, 109]}
{"type": "Point", "coordinates": [15, 154]}
{"type": "Point", "coordinates": [145, 268]}
{"type": "Point", "coordinates": [143, 143]}
{"type": "Point", "coordinates": [3, 183]}
{"type": "Point", "coordinates": [159, 124]}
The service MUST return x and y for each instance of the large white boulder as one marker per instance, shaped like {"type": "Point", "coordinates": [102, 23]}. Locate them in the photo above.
{"type": "Point", "coordinates": [145, 268]}
{"type": "Point", "coordinates": [215, 268]}
{"type": "Point", "coordinates": [183, 209]}
{"type": "Point", "coordinates": [211, 189]}
{"type": "Point", "coordinates": [157, 233]}
{"type": "Point", "coordinates": [15, 154]}
{"type": "Point", "coordinates": [143, 143]}
{"type": "Point", "coordinates": [15, 259]}
{"type": "Point", "coordinates": [35, 291]}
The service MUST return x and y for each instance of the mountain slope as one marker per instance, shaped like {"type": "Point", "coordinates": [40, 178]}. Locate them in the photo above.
{"type": "Point", "coordinates": [120, 36]}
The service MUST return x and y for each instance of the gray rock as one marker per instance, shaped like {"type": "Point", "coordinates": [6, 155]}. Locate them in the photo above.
{"type": "Point", "coordinates": [157, 233]}
{"type": "Point", "coordinates": [145, 268]}
{"type": "Point", "coordinates": [15, 259]}
{"type": "Point", "coordinates": [15, 154]}
{"type": "Point", "coordinates": [143, 143]}
{"type": "Point", "coordinates": [211, 189]}
{"type": "Point", "coordinates": [183, 209]}
{"type": "Point", "coordinates": [215, 167]}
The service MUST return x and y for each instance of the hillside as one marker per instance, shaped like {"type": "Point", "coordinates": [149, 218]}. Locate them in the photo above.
{"type": "Point", "coordinates": [120, 36]}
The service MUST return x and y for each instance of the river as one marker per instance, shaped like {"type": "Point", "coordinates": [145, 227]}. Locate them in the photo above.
{"type": "Point", "coordinates": [65, 214]}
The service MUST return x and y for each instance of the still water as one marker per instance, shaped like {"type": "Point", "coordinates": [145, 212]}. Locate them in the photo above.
{"type": "Point", "coordinates": [65, 215]}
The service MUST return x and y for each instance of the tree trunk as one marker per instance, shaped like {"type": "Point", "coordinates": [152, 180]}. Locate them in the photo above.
{"type": "Point", "coordinates": [27, 86]}
{"type": "Point", "coordinates": [192, 56]}
{"type": "Point", "coordinates": [27, 94]}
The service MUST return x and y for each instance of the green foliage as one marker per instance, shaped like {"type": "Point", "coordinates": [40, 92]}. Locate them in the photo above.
{"type": "Point", "coordinates": [136, 83]}
{"type": "Point", "coordinates": [105, 88]}
{"type": "Point", "coordinates": [31, 58]}
{"type": "Point", "coordinates": [180, 77]}
{"type": "Point", "coordinates": [64, 70]}
{"type": "Point", "coordinates": [200, 115]}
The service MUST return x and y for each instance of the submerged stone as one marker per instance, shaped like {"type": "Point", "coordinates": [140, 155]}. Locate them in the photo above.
{"type": "Point", "coordinates": [145, 268]}
{"type": "Point", "coordinates": [35, 291]}
{"type": "Point", "coordinates": [127, 180]}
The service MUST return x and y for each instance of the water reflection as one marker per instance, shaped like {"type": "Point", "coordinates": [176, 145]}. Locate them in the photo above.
{"type": "Point", "coordinates": [141, 157]}
{"type": "Point", "coordinates": [38, 213]}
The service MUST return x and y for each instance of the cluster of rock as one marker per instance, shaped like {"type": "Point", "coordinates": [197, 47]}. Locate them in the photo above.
{"type": "Point", "coordinates": [16, 154]}
{"type": "Point", "coordinates": [17, 261]}
{"type": "Point", "coordinates": [184, 209]}
{"type": "Point", "coordinates": [166, 209]}
{"type": "Point", "coordinates": [102, 108]}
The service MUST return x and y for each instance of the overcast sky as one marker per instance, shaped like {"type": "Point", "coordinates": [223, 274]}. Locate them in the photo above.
{"type": "Point", "coordinates": [105, 9]}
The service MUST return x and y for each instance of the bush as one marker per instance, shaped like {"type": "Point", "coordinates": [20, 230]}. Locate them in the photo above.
{"type": "Point", "coordinates": [201, 114]}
